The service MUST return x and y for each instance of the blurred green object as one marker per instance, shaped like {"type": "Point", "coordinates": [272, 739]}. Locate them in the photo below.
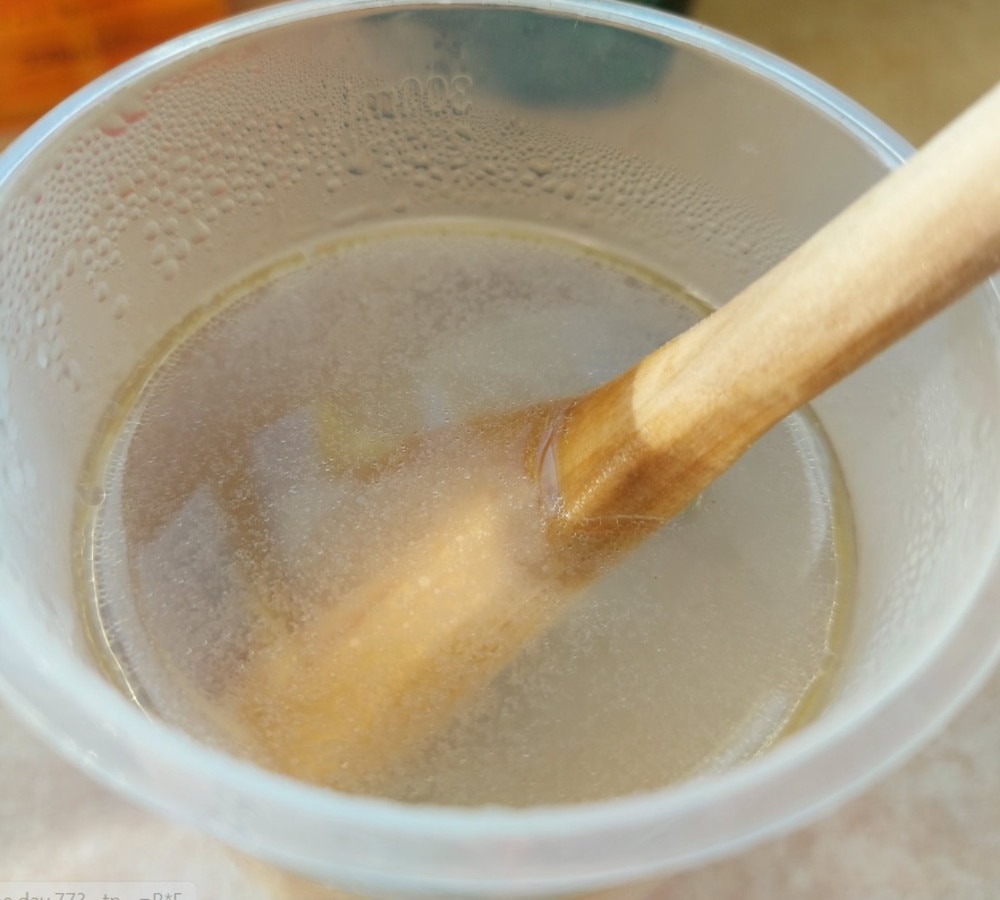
{"type": "Point", "coordinates": [545, 61]}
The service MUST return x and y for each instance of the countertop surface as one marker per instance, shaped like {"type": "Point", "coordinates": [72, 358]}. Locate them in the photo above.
{"type": "Point", "coordinates": [929, 830]}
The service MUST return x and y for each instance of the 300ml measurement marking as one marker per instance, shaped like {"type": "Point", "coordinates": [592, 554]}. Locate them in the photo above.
{"type": "Point", "coordinates": [97, 890]}
{"type": "Point", "coordinates": [415, 96]}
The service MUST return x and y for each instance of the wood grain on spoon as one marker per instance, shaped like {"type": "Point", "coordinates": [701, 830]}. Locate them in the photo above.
{"type": "Point", "coordinates": [648, 442]}
{"type": "Point", "coordinates": [526, 506]}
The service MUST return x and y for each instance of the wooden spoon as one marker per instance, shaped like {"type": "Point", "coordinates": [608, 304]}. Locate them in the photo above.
{"type": "Point", "coordinates": [528, 506]}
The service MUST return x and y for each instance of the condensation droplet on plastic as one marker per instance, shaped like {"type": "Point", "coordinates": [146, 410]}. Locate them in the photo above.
{"type": "Point", "coordinates": [73, 377]}
{"type": "Point", "coordinates": [131, 109]}
{"type": "Point", "coordinates": [90, 494]}
{"type": "Point", "coordinates": [113, 125]}
{"type": "Point", "coordinates": [359, 163]}
{"type": "Point", "coordinates": [125, 186]}
{"type": "Point", "coordinates": [201, 232]}
{"type": "Point", "coordinates": [120, 306]}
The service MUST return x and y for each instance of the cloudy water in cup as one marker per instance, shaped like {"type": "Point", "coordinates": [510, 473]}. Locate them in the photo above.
{"type": "Point", "coordinates": [244, 497]}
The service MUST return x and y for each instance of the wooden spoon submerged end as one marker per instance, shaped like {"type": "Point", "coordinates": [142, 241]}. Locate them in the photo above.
{"type": "Point", "coordinates": [651, 440]}
{"type": "Point", "coordinates": [458, 586]}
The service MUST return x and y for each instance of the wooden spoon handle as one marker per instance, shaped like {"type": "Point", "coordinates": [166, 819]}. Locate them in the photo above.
{"type": "Point", "coordinates": [644, 445]}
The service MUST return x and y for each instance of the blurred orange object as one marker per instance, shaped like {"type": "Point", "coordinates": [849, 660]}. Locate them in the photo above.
{"type": "Point", "coordinates": [49, 48]}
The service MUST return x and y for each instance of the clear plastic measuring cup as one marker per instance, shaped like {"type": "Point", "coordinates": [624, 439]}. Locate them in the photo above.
{"type": "Point", "coordinates": [131, 203]}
